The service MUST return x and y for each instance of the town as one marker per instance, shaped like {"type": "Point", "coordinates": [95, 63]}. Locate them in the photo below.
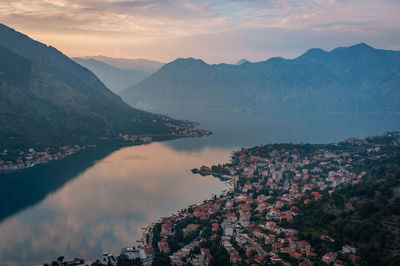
{"type": "Point", "coordinates": [273, 211]}
{"type": "Point", "coordinates": [20, 159]}
{"type": "Point", "coordinates": [253, 222]}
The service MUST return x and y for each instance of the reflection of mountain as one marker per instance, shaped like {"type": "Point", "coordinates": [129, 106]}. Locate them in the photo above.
{"type": "Point", "coordinates": [24, 189]}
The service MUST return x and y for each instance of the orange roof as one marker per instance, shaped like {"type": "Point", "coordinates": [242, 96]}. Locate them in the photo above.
{"type": "Point", "coordinates": [294, 253]}
{"type": "Point", "coordinates": [297, 254]}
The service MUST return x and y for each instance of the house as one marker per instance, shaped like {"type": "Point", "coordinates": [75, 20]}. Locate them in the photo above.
{"type": "Point", "coordinates": [277, 229]}
{"type": "Point", "coordinates": [286, 217]}
{"type": "Point", "coordinates": [295, 254]}
{"type": "Point", "coordinates": [354, 258]}
{"type": "Point", "coordinates": [205, 168]}
{"type": "Point", "coordinates": [166, 228]}
{"type": "Point", "coordinates": [244, 218]}
{"type": "Point", "coordinates": [197, 213]}
{"type": "Point", "coordinates": [227, 228]}
{"type": "Point", "coordinates": [250, 250]}
{"type": "Point", "coordinates": [261, 198]}
{"type": "Point", "coordinates": [262, 207]}
{"type": "Point", "coordinates": [269, 239]}
{"type": "Point", "coordinates": [235, 258]}
{"type": "Point", "coordinates": [294, 210]}
{"type": "Point", "coordinates": [273, 213]}
{"type": "Point", "coordinates": [347, 249]}
{"type": "Point", "coordinates": [259, 259]}
{"type": "Point", "coordinates": [257, 233]}
{"type": "Point", "coordinates": [190, 228]}
{"type": "Point", "coordinates": [291, 232]}
{"type": "Point", "coordinates": [205, 256]}
{"type": "Point", "coordinates": [303, 246]}
{"type": "Point", "coordinates": [329, 257]}
{"type": "Point", "coordinates": [215, 227]}
{"type": "Point", "coordinates": [339, 263]}
{"type": "Point", "coordinates": [163, 245]}
{"type": "Point", "coordinates": [276, 246]}
{"type": "Point", "coordinates": [269, 225]}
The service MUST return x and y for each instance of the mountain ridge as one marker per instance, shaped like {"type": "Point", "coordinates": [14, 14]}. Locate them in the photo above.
{"type": "Point", "coordinates": [114, 78]}
{"type": "Point", "coordinates": [346, 79]}
{"type": "Point", "coordinates": [140, 64]}
{"type": "Point", "coordinates": [48, 99]}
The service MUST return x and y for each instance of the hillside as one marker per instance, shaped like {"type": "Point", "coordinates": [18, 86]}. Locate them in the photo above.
{"type": "Point", "coordinates": [116, 79]}
{"type": "Point", "coordinates": [47, 99]}
{"type": "Point", "coordinates": [349, 79]}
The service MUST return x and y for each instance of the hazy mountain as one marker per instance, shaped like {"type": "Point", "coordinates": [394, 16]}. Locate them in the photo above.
{"type": "Point", "coordinates": [48, 99]}
{"type": "Point", "coordinates": [143, 65]}
{"type": "Point", "coordinates": [242, 61]}
{"type": "Point", "coordinates": [349, 79]}
{"type": "Point", "coordinates": [114, 78]}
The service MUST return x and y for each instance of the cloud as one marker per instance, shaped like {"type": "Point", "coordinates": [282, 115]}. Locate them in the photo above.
{"type": "Point", "coordinates": [118, 25]}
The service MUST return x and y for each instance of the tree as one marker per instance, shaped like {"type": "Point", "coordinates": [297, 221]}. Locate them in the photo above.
{"type": "Point", "coordinates": [60, 259]}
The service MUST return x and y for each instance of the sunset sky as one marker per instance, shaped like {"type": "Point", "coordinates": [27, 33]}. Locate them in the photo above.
{"type": "Point", "coordinates": [213, 30]}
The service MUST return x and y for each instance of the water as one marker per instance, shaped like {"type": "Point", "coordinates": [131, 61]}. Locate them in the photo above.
{"type": "Point", "coordinates": [98, 200]}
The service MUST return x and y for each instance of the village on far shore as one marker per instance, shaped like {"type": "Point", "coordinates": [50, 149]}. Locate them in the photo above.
{"type": "Point", "coordinates": [12, 160]}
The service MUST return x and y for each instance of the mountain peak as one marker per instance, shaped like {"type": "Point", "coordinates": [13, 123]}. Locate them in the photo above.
{"type": "Point", "coordinates": [242, 61]}
{"type": "Point", "coordinates": [362, 46]}
{"type": "Point", "coordinates": [189, 60]}
{"type": "Point", "coordinates": [313, 53]}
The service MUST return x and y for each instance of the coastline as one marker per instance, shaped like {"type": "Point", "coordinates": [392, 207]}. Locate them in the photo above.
{"type": "Point", "coordinates": [33, 158]}
{"type": "Point", "coordinates": [244, 167]}
{"type": "Point", "coordinates": [269, 188]}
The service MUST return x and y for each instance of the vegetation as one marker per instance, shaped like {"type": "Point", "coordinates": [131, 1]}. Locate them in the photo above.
{"type": "Point", "coordinates": [366, 215]}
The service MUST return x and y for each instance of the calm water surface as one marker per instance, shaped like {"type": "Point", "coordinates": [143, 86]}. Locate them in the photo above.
{"type": "Point", "coordinates": [98, 200]}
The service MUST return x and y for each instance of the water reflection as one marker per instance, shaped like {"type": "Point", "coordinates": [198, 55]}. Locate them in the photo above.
{"type": "Point", "coordinates": [23, 189]}
{"type": "Point", "coordinates": [105, 206]}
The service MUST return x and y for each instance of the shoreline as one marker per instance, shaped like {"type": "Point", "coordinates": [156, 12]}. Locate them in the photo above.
{"type": "Point", "coordinates": [352, 146]}
{"type": "Point", "coordinates": [50, 154]}
{"type": "Point", "coordinates": [269, 187]}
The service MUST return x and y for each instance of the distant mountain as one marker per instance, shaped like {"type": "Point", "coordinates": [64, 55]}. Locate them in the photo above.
{"type": "Point", "coordinates": [114, 78]}
{"type": "Point", "coordinates": [242, 61]}
{"type": "Point", "coordinates": [143, 65]}
{"type": "Point", "coordinates": [48, 99]}
{"type": "Point", "coordinates": [348, 79]}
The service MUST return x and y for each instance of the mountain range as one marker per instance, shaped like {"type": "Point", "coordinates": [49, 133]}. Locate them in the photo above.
{"type": "Point", "coordinates": [140, 64]}
{"type": "Point", "coordinates": [358, 78]}
{"type": "Point", "coordinates": [116, 79]}
{"type": "Point", "coordinates": [48, 99]}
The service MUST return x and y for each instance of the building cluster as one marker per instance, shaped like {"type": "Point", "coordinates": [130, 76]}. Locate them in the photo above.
{"type": "Point", "coordinates": [135, 139]}
{"type": "Point", "coordinates": [187, 130]}
{"type": "Point", "coordinates": [21, 159]}
{"type": "Point", "coordinates": [253, 220]}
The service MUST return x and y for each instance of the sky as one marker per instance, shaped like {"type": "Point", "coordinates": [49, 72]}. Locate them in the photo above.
{"type": "Point", "coordinates": [214, 30]}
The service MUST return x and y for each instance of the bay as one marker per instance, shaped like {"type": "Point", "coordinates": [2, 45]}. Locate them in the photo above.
{"type": "Point", "coordinates": [99, 200]}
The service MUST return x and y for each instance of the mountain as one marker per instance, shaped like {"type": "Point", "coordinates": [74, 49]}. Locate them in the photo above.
{"type": "Point", "coordinates": [143, 65]}
{"type": "Point", "coordinates": [358, 78]}
{"type": "Point", "coordinates": [242, 61]}
{"type": "Point", "coordinates": [116, 79]}
{"type": "Point", "coordinates": [48, 99]}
